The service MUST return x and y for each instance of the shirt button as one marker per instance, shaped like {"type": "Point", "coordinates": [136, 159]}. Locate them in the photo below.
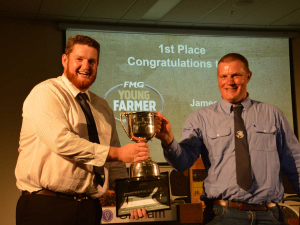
{"type": "Point", "coordinates": [169, 150]}
{"type": "Point", "coordinates": [218, 135]}
{"type": "Point", "coordinates": [241, 189]}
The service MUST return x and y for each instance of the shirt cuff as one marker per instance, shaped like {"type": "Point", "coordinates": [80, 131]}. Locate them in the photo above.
{"type": "Point", "coordinates": [100, 155]}
{"type": "Point", "coordinates": [170, 151]}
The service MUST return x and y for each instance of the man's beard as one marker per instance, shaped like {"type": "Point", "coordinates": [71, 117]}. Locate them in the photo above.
{"type": "Point", "coordinates": [81, 85]}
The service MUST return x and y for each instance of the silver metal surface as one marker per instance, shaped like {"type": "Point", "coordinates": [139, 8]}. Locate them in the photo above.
{"type": "Point", "coordinates": [140, 128]}
{"type": "Point", "coordinates": [140, 125]}
{"type": "Point", "coordinates": [144, 170]}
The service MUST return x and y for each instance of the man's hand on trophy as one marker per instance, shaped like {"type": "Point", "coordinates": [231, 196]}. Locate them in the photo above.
{"type": "Point", "coordinates": [138, 213]}
{"type": "Point", "coordinates": [129, 153]}
{"type": "Point", "coordinates": [134, 152]}
{"type": "Point", "coordinates": [163, 129]}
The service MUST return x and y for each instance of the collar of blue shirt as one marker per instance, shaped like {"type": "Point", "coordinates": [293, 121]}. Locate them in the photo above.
{"type": "Point", "coordinates": [226, 106]}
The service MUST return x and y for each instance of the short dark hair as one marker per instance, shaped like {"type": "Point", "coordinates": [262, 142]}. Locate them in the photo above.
{"type": "Point", "coordinates": [81, 40]}
{"type": "Point", "coordinates": [233, 57]}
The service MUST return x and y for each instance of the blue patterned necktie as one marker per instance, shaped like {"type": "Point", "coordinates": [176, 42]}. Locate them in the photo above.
{"type": "Point", "coordinates": [242, 157]}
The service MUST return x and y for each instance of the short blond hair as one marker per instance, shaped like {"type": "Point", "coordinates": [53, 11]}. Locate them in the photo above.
{"type": "Point", "coordinates": [235, 57]}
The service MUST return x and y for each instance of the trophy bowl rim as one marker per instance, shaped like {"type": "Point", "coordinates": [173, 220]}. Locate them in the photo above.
{"type": "Point", "coordinates": [136, 112]}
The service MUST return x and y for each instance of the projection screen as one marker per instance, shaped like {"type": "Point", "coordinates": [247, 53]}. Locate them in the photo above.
{"type": "Point", "coordinates": [176, 74]}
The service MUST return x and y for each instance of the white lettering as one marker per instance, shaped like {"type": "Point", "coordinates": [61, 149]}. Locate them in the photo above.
{"type": "Point", "coordinates": [146, 106]}
{"type": "Point", "coordinates": [129, 105]}
{"type": "Point", "coordinates": [180, 48]}
{"type": "Point", "coordinates": [122, 106]}
{"type": "Point", "coordinates": [201, 103]}
{"type": "Point", "coordinates": [133, 84]}
{"type": "Point", "coordinates": [190, 50]}
{"type": "Point", "coordinates": [138, 106]}
{"type": "Point", "coordinates": [116, 104]}
{"type": "Point", "coordinates": [134, 105]}
{"type": "Point", "coordinates": [131, 64]}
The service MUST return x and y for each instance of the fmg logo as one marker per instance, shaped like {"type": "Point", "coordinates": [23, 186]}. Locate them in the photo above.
{"type": "Point", "coordinates": [133, 96]}
{"type": "Point", "coordinates": [134, 84]}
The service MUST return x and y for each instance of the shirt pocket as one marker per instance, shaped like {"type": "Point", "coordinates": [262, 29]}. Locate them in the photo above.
{"type": "Point", "coordinates": [219, 140]}
{"type": "Point", "coordinates": [264, 137]}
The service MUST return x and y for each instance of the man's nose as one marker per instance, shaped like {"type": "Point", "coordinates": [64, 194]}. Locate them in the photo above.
{"type": "Point", "coordinates": [229, 80]}
{"type": "Point", "coordinates": [85, 64]}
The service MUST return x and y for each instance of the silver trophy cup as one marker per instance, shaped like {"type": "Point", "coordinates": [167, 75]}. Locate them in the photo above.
{"type": "Point", "coordinates": [140, 128]}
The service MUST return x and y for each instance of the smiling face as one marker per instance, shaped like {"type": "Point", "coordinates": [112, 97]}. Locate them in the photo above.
{"type": "Point", "coordinates": [233, 79]}
{"type": "Point", "coordinates": [80, 66]}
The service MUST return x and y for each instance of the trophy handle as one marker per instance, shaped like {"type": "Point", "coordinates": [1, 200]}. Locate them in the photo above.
{"type": "Point", "coordinates": [154, 133]}
{"type": "Point", "coordinates": [121, 120]}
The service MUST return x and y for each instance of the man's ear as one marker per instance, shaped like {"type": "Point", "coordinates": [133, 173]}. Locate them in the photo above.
{"type": "Point", "coordinates": [64, 60]}
{"type": "Point", "coordinates": [249, 75]}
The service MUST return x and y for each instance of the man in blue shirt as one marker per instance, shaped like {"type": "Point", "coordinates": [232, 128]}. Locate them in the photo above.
{"type": "Point", "coordinates": [210, 132]}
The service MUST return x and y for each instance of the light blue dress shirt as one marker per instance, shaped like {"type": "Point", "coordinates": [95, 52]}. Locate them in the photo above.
{"type": "Point", "coordinates": [272, 146]}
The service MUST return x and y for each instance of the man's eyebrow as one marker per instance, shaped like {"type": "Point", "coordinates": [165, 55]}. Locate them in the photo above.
{"type": "Point", "coordinates": [80, 56]}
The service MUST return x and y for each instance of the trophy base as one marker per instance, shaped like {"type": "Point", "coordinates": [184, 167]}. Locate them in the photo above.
{"type": "Point", "coordinates": [144, 178]}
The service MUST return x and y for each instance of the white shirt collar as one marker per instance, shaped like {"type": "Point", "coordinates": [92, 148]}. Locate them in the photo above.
{"type": "Point", "coordinates": [74, 90]}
